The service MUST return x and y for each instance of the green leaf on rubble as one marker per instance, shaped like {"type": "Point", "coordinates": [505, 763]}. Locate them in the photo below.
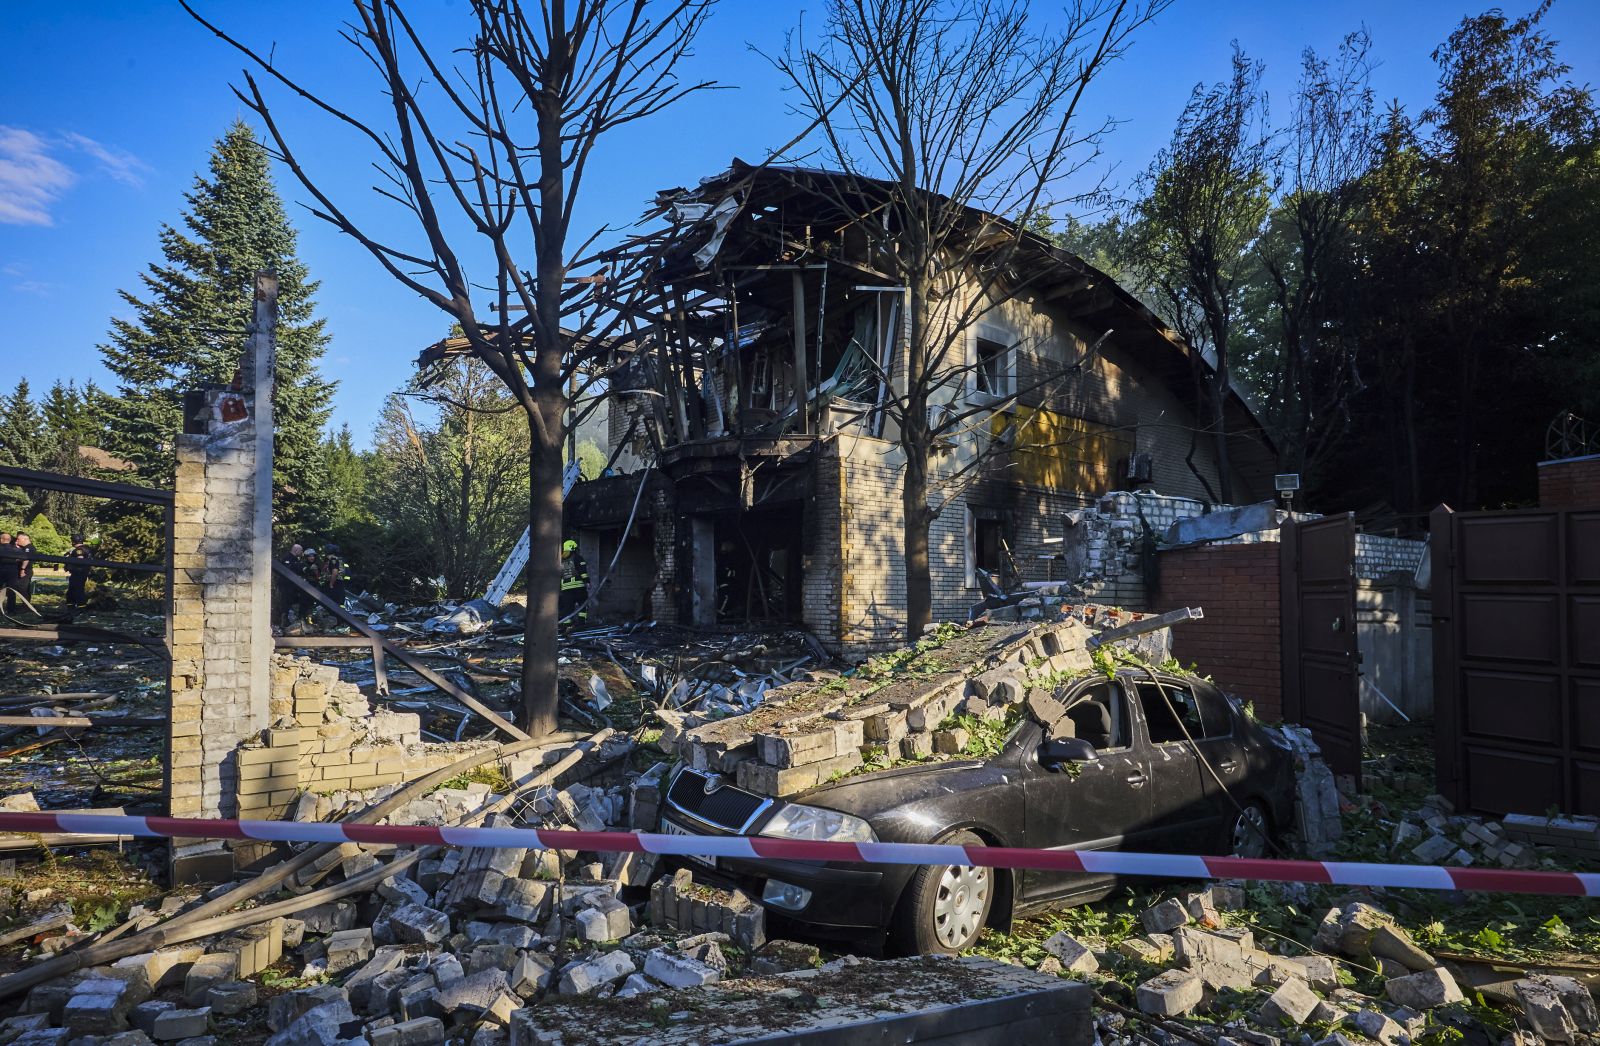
{"type": "Point", "coordinates": [1490, 939]}
{"type": "Point", "coordinates": [1556, 929]}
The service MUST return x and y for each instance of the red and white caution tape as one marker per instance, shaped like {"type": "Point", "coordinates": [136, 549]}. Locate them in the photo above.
{"type": "Point", "coordinates": [1167, 866]}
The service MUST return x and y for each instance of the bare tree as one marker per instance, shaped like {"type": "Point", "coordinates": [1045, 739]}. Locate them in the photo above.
{"type": "Point", "coordinates": [1330, 144]}
{"type": "Point", "coordinates": [962, 119]}
{"type": "Point", "coordinates": [483, 156]}
{"type": "Point", "coordinates": [1203, 202]}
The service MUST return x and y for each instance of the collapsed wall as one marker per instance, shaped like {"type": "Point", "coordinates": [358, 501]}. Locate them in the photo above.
{"type": "Point", "coordinates": [325, 739]}
{"type": "Point", "coordinates": [807, 733]}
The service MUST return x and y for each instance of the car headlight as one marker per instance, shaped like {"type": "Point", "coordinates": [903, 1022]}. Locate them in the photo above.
{"type": "Point", "coordinates": [813, 823]}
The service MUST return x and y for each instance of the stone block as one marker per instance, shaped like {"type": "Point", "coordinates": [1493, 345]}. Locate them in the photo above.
{"type": "Point", "coordinates": [679, 971]}
{"type": "Point", "coordinates": [87, 1013]}
{"type": "Point", "coordinates": [951, 742]}
{"type": "Point", "coordinates": [475, 993]}
{"type": "Point", "coordinates": [1291, 1005]}
{"type": "Point", "coordinates": [347, 949]}
{"type": "Point", "coordinates": [181, 1024]}
{"type": "Point", "coordinates": [416, 924]}
{"type": "Point", "coordinates": [586, 977]}
{"type": "Point", "coordinates": [422, 1031]}
{"type": "Point", "coordinates": [1075, 957]}
{"type": "Point", "coordinates": [1164, 917]}
{"type": "Point", "coordinates": [211, 968]}
{"type": "Point", "coordinates": [1170, 994]}
{"type": "Point", "coordinates": [1424, 990]}
{"type": "Point", "coordinates": [283, 1010]}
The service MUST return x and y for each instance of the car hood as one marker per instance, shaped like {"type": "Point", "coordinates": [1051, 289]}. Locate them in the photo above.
{"type": "Point", "coordinates": [882, 791]}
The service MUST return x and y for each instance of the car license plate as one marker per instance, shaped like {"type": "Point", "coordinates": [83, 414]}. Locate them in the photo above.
{"type": "Point", "coordinates": [673, 828]}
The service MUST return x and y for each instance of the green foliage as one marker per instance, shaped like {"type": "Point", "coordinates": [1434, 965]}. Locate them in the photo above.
{"type": "Point", "coordinates": [448, 488]}
{"type": "Point", "coordinates": [986, 737]}
{"type": "Point", "coordinates": [189, 321]}
{"type": "Point", "coordinates": [591, 459]}
{"type": "Point", "coordinates": [46, 538]}
{"type": "Point", "coordinates": [21, 446]}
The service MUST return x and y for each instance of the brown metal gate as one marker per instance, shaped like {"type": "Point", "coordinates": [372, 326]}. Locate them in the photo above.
{"type": "Point", "coordinates": [1516, 609]}
{"type": "Point", "coordinates": [1321, 663]}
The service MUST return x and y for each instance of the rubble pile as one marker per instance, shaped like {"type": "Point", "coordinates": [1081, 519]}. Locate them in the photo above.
{"type": "Point", "coordinates": [1434, 834]}
{"type": "Point", "coordinates": [807, 733]}
{"type": "Point", "coordinates": [453, 945]}
{"type": "Point", "coordinates": [1189, 964]}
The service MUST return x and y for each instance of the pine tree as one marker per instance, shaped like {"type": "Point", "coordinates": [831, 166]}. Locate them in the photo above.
{"type": "Point", "coordinates": [23, 444]}
{"type": "Point", "coordinates": [190, 322]}
{"type": "Point", "coordinates": [71, 423]}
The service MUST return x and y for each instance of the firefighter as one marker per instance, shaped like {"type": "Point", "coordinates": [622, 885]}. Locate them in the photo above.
{"type": "Point", "coordinates": [574, 581]}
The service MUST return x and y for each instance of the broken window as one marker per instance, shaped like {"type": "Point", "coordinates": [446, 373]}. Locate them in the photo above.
{"type": "Point", "coordinates": [1099, 716]}
{"type": "Point", "coordinates": [1165, 727]}
{"type": "Point", "coordinates": [995, 373]}
{"type": "Point", "coordinates": [988, 544]}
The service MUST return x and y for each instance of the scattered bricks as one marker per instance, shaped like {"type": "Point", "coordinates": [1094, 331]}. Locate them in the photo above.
{"type": "Point", "coordinates": [491, 957]}
{"type": "Point", "coordinates": [586, 977]}
{"type": "Point", "coordinates": [916, 746]}
{"type": "Point", "coordinates": [1392, 942]}
{"type": "Point", "coordinates": [1406, 833]}
{"type": "Point", "coordinates": [326, 918]}
{"type": "Point", "coordinates": [679, 971]}
{"type": "Point", "coordinates": [158, 969]}
{"type": "Point", "coordinates": [402, 891]}
{"type": "Point", "coordinates": [21, 1024]}
{"type": "Point", "coordinates": [998, 686]}
{"type": "Point", "coordinates": [1379, 1027]}
{"type": "Point", "coordinates": [415, 924]}
{"type": "Point", "coordinates": [230, 997]}
{"type": "Point", "coordinates": [94, 1014]}
{"type": "Point", "coordinates": [1544, 1009]}
{"type": "Point", "coordinates": [255, 948]}
{"type": "Point", "coordinates": [1291, 1004]}
{"type": "Point", "coordinates": [631, 869]}
{"type": "Point", "coordinates": [209, 969]}
{"type": "Point", "coordinates": [1145, 949]}
{"type": "Point", "coordinates": [1578, 1001]}
{"type": "Point", "coordinates": [348, 949]}
{"type": "Point", "coordinates": [1433, 849]}
{"type": "Point", "coordinates": [950, 742]}
{"type": "Point", "coordinates": [319, 1026]}
{"type": "Point", "coordinates": [784, 957]}
{"type": "Point", "coordinates": [604, 922]}
{"type": "Point", "coordinates": [1170, 994]}
{"type": "Point", "coordinates": [1319, 971]}
{"type": "Point", "coordinates": [384, 960]}
{"type": "Point", "coordinates": [1165, 917]}
{"type": "Point", "coordinates": [1425, 990]}
{"type": "Point", "coordinates": [1349, 931]}
{"type": "Point", "coordinates": [145, 1014]}
{"type": "Point", "coordinates": [181, 1024]}
{"type": "Point", "coordinates": [1075, 957]}
{"type": "Point", "coordinates": [283, 1010]}
{"type": "Point", "coordinates": [527, 900]}
{"type": "Point", "coordinates": [531, 974]}
{"type": "Point", "coordinates": [423, 1031]}
{"type": "Point", "coordinates": [474, 993]}
{"type": "Point", "coordinates": [43, 1037]}
{"type": "Point", "coordinates": [1202, 909]}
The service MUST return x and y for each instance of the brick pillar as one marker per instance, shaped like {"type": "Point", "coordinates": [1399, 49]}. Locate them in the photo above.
{"type": "Point", "coordinates": [222, 577]}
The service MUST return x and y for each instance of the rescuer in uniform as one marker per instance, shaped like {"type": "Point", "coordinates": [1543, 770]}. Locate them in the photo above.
{"type": "Point", "coordinates": [574, 581]}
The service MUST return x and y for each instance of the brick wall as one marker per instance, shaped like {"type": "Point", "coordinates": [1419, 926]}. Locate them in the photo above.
{"type": "Point", "coordinates": [1239, 643]}
{"type": "Point", "coordinates": [336, 743]}
{"type": "Point", "coordinates": [216, 645]}
{"type": "Point", "coordinates": [1570, 483]}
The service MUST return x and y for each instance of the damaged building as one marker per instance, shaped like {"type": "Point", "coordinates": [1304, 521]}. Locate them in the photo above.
{"type": "Point", "coordinates": [757, 470]}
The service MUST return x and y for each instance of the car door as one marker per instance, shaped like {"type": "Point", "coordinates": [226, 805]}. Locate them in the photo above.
{"type": "Point", "coordinates": [1102, 804]}
{"type": "Point", "coordinates": [1181, 808]}
{"type": "Point", "coordinates": [1222, 745]}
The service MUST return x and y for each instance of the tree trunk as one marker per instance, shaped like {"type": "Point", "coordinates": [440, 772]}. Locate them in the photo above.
{"type": "Point", "coordinates": [1219, 425]}
{"type": "Point", "coordinates": [919, 579]}
{"type": "Point", "coordinates": [540, 696]}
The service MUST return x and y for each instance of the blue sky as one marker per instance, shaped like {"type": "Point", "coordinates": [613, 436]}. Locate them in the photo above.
{"type": "Point", "coordinates": [107, 110]}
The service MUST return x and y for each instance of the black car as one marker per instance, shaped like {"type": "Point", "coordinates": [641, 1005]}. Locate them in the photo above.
{"type": "Point", "coordinates": [1115, 769]}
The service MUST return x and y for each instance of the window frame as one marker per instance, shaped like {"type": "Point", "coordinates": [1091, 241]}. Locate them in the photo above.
{"type": "Point", "coordinates": [1140, 684]}
{"type": "Point", "coordinates": [1007, 345]}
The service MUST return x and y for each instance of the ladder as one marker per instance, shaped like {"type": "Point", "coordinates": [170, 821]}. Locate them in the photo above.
{"type": "Point", "coordinates": [500, 587]}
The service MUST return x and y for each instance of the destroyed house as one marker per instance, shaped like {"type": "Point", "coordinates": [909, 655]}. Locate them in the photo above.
{"type": "Point", "coordinates": [757, 476]}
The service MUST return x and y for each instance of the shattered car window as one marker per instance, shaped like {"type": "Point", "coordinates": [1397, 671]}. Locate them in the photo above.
{"type": "Point", "coordinates": [1099, 716]}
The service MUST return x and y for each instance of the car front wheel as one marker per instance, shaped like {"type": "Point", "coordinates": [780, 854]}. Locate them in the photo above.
{"type": "Point", "coordinates": [945, 907]}
{"type": "Point", "coordinates": [1248, 835]}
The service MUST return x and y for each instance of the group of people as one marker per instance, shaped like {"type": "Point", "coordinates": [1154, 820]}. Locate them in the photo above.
{"type": "Point", "coordinates": [326, 570]}
{"type": "Point", "coordinates": [17, 557]}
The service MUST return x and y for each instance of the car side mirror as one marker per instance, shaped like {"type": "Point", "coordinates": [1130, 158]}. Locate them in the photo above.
{"type": "Point", "coordinates": [1058, 750]}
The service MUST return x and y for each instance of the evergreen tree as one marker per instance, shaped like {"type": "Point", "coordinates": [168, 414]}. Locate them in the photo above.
{"type": "Point", "coordinates": [190, 320]}
{"type": "Point", "coordinates": [70, 424]}
{"type": "Point", "coordinates": [22, 445]}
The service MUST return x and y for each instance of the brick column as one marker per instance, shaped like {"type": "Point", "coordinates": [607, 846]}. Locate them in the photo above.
{"type": "Point", "coordinates": [222, 577]}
